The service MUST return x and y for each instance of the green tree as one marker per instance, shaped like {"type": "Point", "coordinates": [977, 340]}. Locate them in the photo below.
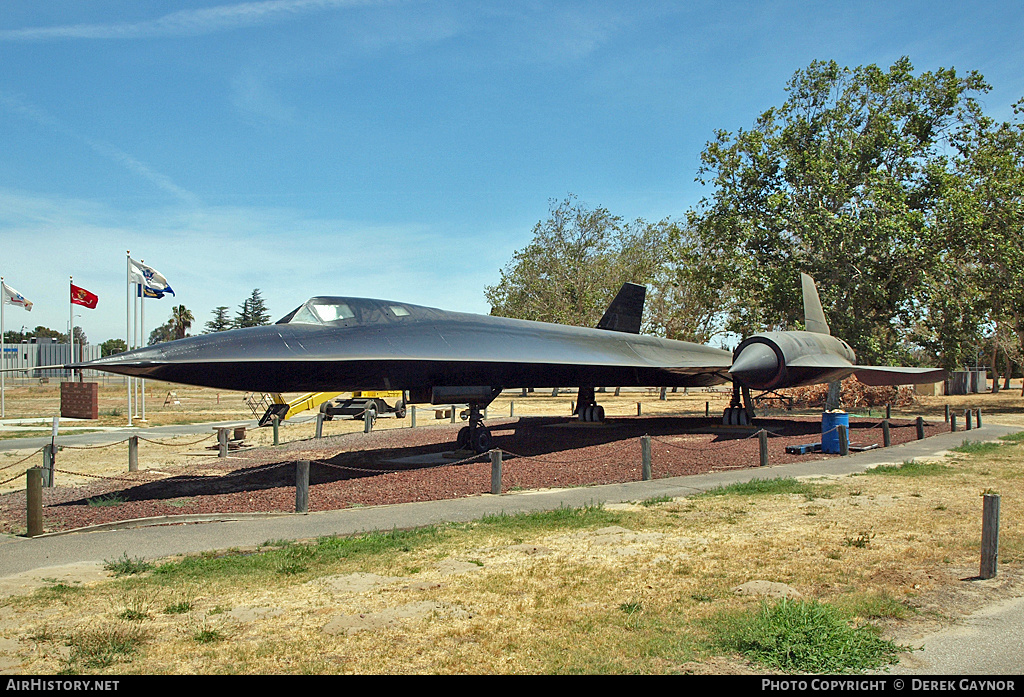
{"type": "Point", "coordinates": [841, 181]}
{"type": "Point", "coordinates": [112, 346]}
{"type": "Point", "coordinates": [181, 321]}
{"type": "Point", "coordinates": [220, 322]}
{"type": "Point", "coordinates": [575, 264]}
{"type": "Point", "coordinates": [165, 332]}
{"type": "Point", "coordinates": [989, 231]}
{"type": "Point", "coordinates": [253, 312]}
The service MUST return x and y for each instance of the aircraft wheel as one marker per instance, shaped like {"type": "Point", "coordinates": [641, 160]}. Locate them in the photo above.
{"type": "Point", "coordinates": [400, 410]}
{"type": "Point", "coordinates": [482, 441]}
{"type": "Point", "coordinates": [462, 440]}
{"type": "Point", "coordinates": [598, 412]}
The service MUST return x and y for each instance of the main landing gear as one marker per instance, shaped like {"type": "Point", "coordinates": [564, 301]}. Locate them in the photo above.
{"type": "Point", "coordinates": [740, 411]}
{"type": "Point", "coordinates": [475, 436]}
{"type": "Point", "coordinates": [587, 407]}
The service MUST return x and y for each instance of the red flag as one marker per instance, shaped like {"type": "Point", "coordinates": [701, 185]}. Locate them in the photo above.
{"type": "Point", "coordinates": [80, 296]}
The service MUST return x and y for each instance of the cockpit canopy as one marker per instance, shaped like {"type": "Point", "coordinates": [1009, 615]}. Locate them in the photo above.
{"type": "Point", "coordinates": [345, 312]}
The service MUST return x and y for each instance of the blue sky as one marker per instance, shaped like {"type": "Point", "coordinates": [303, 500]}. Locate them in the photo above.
{"type": "Point", "coordinates": [394, 149]}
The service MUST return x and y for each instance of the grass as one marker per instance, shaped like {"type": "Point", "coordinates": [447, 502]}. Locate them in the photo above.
{"type": "Point", "coordinates": [102, 647]}
{"type": "Point", "coordinates": [911, 468]}
{"type": "Point", "coordinates": [977, 447]}
{"type": "Point", "coordinates": [125, 566]}
{"type": "Point", "coordinates": [762, 487]}
{"type": "Point", "coordinates": [112, 499]}
{"type": "Point", "coordinates": [807, 636]}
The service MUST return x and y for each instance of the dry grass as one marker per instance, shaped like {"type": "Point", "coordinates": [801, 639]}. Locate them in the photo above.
{"type": "Point", "coordinates": [633, 588]}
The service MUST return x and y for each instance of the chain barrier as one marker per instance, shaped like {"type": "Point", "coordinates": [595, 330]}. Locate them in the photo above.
{"type": "Point", "coordinates": [12, 464]}
{"type": "Point", "coordinates": [93, 447]}
{"type": "Point", "coordinates": [175, 445]}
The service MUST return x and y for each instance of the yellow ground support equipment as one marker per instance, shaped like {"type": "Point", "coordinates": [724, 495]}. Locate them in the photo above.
{"type": "Point", "coordinates": [355, 406]}
{"type": "Point", "coordinates": [285, 409]}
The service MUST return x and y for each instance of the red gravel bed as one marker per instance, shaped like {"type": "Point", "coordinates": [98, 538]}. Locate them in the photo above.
{"type": "Point", "coordinates": [358, 469]}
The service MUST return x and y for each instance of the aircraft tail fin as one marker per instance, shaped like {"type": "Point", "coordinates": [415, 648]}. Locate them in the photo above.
{"type": "Point", "coordinates": [814, 316]}
{"type": "Point", "coordinates": [626, 310]}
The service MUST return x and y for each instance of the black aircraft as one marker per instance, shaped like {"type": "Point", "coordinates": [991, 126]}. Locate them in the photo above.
{"type": "Point", "coordinates": [776, 360]}
{"type": "Point", "coordinates": [332, 344]}
{"type": "Point", "coordinates": [336, 344]}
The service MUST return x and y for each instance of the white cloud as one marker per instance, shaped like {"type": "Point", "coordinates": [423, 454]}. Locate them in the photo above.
{"type": "Point", "coordinates": [187, 22]}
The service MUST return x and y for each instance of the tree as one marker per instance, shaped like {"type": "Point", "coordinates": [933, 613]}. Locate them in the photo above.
{"type": "Point", "coordinates": [253, 312]}
{"type": "Point", "coordinates": [220, 322]}
{"type": "Point", "coordinates": [165, 332]}
{"type": "Point", "coordinates": [112, 346]}
{"type": "Point", "coordinates": [575, 264]}
{"type": "Point", "coordinates": [842, 182]}
{"type": "Point", "coordinates": [989, 233]}
{"type": "Point", "coordinates": [181, 321]}
{"type": "Point", "coordinates": [80, 338]}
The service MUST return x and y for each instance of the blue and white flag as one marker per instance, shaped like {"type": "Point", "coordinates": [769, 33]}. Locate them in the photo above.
{"type": "Point", "coordinates": [149, 278]}
{"type": "Point", "coordinates": [13, 297]}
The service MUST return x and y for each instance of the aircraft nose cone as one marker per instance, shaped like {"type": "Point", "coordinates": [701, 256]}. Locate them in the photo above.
{"type": "Point", "coordinates": [755, 365]}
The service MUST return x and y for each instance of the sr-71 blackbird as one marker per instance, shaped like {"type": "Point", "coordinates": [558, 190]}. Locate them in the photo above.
{"type": "Point", "coordinates": [441, 357]}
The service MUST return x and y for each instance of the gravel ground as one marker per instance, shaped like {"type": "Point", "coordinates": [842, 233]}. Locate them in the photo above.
{"type": "Point", "coordinates": [360, 469]}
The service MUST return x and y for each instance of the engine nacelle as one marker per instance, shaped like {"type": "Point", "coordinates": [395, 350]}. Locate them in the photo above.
{"type": "Point", "coordinates": [788, 359]}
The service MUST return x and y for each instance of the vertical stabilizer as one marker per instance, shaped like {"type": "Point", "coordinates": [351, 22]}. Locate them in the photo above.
{"type": "Point", "coordinates": [626, 311]}
{"type": "Point", "coordinates": [814, 316]}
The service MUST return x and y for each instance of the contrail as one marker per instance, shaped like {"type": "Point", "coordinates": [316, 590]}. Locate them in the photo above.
{"type": "Point", "coordinates": [107, 150]}
{"type": "Point", "coordinates": [187, 22]}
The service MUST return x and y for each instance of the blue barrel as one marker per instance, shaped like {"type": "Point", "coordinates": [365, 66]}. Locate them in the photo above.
{"type": "Point", "coordinates": [829, 434]}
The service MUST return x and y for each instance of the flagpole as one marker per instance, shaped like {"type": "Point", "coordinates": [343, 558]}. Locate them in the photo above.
{"type": "Point", "coordinates": [3, 350]}
{"type": "Point", "coordinates": [71, 325]}
{"type": "Point", "coordinates": [128, 327]}
{"type": "Point", "coordinates": [142, 337]}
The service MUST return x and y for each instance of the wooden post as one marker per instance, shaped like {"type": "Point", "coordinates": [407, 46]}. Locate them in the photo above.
{"type": "Point", "coordinates": [319, 425]}
{"type": "Point", "coordinates": [412, 417]}
{"type": "Point", "coordinates": [762, 437]}
{"type": "Point", "coordinates": [638, 408]}
{"type": "Point", "coordinates": [663, 396]}
{"type": "Point", "coordinates": [302, 486]}
{"type": "Point", "coordinates": [952, 423]}
{"type": "Point", "coordinates": [133, 454]}
{"type": "Point", "coordinates": [511, 409]}
{"type": "Point", "coordinates": [277, 426]}
{"type": "Point", "coordinates": [34, 503]}
{"type": "Point", "coordinates": [222, 442]}
{"type": "Point", "coordinates": [886, 437]}
{"type": "Point", "coordinates": [617, 390]}
{"type": "Point", "coordinates": [496, 471]}
{"type": "Point", "coordinates": [920, 428]}
{"type": "Point", "coordinates": [967, 419]}
{"type": "Point", "coordinates": [844, 439]}
{"type": "Point", "coordinates": [989, 536]}
{"type": "Point", "coordinates": [978, 421]}
{"type": "Point", "coordinates": [707, 408]}
{"type": "Point", "coordinates": [367, 421]}
{"type": "Point", "coordinates": [888, 412]}
{"type": "Point", "coordinates": [645, 458]}
{"type": "Point", "coordinates": [947, 413]}
{"type": "Point", "coordinates": [49, 463]}
{"type": "Point", "coordinates": [453, 413]}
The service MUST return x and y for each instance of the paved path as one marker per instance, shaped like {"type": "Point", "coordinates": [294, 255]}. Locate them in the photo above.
{"type": "Point", "coordinates": [179, 536]}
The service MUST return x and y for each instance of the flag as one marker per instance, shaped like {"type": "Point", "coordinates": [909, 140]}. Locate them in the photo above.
{"type": "Point", "coordinates": [150, 278]}
{"type": "Point", "coordinates": [13, 297]}
{"type": "Point", "coordinates": [80, 296]}
{"type": "Point", "coordinates": [147, 292]}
